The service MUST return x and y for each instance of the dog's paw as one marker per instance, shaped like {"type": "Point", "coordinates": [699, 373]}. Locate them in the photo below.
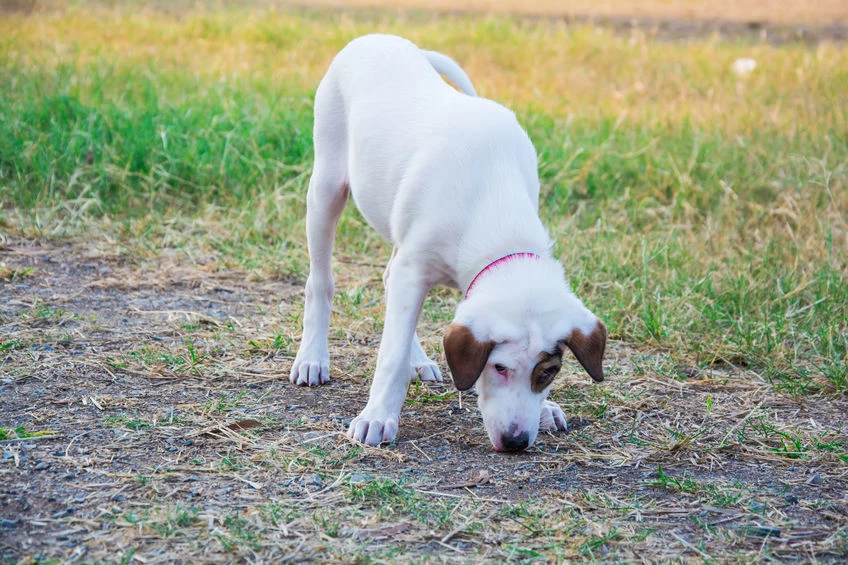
{"type": "Point", "coordinates": [427, 372]}
{"type": "Point", "coordinates": [553, 418]}
{"type": "Point", "coordinates": [373, 428]}
{"type": "Point", "coordinates": [310, 372]}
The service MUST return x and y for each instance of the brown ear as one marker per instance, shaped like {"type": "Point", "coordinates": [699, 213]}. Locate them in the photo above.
{"type": "Point", "coordinates": [589, 349]}
{"type": "Point", "coordinates": [466, 355]}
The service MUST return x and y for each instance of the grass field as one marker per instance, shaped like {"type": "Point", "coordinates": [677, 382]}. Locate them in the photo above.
{"type": "Point", "coordinates": [150, 157]}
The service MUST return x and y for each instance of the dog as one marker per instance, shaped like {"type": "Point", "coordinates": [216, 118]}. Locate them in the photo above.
{"type": "Point", "coordinates": [451, 180]}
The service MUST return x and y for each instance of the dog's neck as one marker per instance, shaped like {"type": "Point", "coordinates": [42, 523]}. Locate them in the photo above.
{"type": "Point", "coordinates": [495, 264]}
{"type": "Point", "coordinates": [498, 227]}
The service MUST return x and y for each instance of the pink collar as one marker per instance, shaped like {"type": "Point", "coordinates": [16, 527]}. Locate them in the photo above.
{"type": "Point", "coordinates": [495, 263]}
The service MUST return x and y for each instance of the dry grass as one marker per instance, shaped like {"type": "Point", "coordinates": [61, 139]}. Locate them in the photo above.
{"type": "Point", "coordinates": [776, 11]}
{"type": "Point", "coordinates": [170, 438]}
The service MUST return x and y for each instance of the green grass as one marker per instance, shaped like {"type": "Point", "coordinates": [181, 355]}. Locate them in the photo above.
{"type": "Point", "coordinates": [697, 212]}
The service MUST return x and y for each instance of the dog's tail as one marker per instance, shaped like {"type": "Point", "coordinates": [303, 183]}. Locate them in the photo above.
{"type": "Point", "coordinates": [448, 67]}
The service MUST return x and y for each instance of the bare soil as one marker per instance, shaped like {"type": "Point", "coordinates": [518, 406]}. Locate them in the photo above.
{"type": "Point", "coordinates": [162, 381]}
{"type": "Point", "coordinates": [775, 21]}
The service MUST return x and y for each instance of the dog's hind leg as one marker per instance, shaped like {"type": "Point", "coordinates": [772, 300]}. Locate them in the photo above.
{"type": "Point", "coordinates": [423, 368]}
{"type": "Point", "coordinates": [325, 201]}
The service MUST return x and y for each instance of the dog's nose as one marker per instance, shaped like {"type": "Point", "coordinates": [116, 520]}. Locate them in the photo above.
{"type": "Point", "coordinates": [512, 442]}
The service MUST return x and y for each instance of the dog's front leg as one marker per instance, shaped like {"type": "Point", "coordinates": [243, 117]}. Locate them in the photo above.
{"type": "Point", "coordinates": [405, 291]}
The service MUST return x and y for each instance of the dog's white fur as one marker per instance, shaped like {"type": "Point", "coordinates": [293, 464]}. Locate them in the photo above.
{"type": "Point", "coordinates": [450, 179]}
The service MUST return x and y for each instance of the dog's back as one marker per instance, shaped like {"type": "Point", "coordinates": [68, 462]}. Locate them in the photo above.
{"type": "Point", "coordinates": [383, 100]}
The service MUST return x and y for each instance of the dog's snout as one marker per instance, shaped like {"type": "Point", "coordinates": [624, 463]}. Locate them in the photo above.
{"type": "Point", "coordinates": [515, 442]}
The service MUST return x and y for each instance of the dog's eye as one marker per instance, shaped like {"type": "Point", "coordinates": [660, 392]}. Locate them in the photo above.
{"type": "Point", "coordinates": [500, 368]}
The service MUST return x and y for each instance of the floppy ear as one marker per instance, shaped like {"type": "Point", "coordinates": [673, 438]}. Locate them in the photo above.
{"type": "Point", "coordinates": [466, 355]}
{"type": "Point", "coordinates": [589, 349]}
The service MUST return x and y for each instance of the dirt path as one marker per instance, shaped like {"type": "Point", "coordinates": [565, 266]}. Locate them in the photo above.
{"type": "Point", "coordinates": [775, 21]}
{"type": "Point", "coordinates": [157, 387]}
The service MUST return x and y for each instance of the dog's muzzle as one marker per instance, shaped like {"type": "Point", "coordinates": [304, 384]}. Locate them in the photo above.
{"type": "Point", "coordinates": [510, 441]}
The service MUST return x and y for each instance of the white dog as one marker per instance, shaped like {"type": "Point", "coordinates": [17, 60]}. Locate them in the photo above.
{"type": "Point", "coordinates": [450, 179]}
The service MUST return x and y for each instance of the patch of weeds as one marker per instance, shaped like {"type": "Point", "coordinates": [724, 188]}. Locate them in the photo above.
{"type": "Point", "coordinates": [789, 445]}
{"type": "Point", "coordinates": [226, 403]}
{"type": "Point", "coordinates": [389, 497]}
{"type": "Point", "coordinates": [175, 520]}
{"type": "Point", "coordinates": [9, 345]}
{"type": "Point", "coordinates": [21, 433]}
{"type": "Point", "coordinates": [10, 275]}
{"type": "Point", "coordinates": [716, 495]}
{"type": "Point", "coordinates": [282, 342]}
{"type": "Point", "coordinates": [131, 423]}
{"type": "Point", "coordinates": [44, 311]}
{"type": "Point", "coordinates": [151, 356]}
{"type": "Point", "coordinates": [827, 444]}
{"type": "Point", "coordinates": [420, 394]}
{"type": "Point", "coordinates": [524, 515]}
{"type": "Point", "coordinates": [687, 484]}
{"type": "Point", "coordinates": [115, 364]}
{"type": "Point", "coordinates": [329, 523]}
{"type": "Point", "coordinates": [194, 358]}
{"type": "Point", "coordinates": [595, 543]}
{"type": "Point", "coordinates": [230, 463]}
{"type": "Point", "coordinates": [836, 373]}
{"type": "Point", "coordinates": [240, 533]}
{"type": "Point", "coordinates": [277, 513]}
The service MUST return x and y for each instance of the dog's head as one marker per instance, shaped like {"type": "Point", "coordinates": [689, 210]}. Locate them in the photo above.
{"type": "Point", "coordinates": [508, 338]}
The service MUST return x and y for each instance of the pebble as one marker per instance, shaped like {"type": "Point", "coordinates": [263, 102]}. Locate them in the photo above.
{"type": "Point", "coordinates": [815, 480]}
{"type": "Point", "coordinates": [358, 478]}
{"type": "Point", "coordinates": [41, 466]}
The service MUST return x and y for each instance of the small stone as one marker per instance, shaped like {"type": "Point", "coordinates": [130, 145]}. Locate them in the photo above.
{"type": "Point", "coordinates": [815, 480]}
{"type": "Point", "coordinates": [358, 478]}
{"type": "Point", "coordinates": [41, 466]}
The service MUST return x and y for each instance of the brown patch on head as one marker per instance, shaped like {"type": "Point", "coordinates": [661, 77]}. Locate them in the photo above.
{"type": "Point", "coordinates": [545, 370]}
{"type": "Point", "coordinates": [466, 355]}
{"type": "Point", "coordinates": [589, 349]}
